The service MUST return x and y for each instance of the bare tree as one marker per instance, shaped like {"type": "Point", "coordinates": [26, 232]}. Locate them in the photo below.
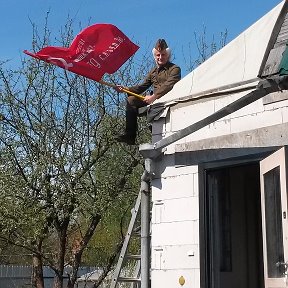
{"type": "Point", "coordinates": [60, 169]}
{"type": "Point", "coordinates": [204, 47]}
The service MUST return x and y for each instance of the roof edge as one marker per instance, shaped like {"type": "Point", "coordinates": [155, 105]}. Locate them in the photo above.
{"type": "Point", "coordinates": [277, 27]}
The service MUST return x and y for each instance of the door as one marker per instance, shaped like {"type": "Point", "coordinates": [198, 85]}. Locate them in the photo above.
{"type": "Point", "coordinates": [274, 218]}
{"type": "Point", "coordinates": [231, 237]}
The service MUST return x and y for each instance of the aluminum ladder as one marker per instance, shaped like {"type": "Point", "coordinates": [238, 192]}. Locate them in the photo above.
{"type": "Point", "coordinates": [131, 232]}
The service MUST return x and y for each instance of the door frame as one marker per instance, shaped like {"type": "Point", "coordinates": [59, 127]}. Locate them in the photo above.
{"type": "Point", "coordinates": [203, 213]}
{"type": "Point", "coordinates": [275, 160]}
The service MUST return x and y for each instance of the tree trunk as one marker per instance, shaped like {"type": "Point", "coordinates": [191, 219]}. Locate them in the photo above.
{"type": "Point", "coordinates": [61, 251]}
{"type": "Point", "coordinates": [58, 281]}
{"type": "Point", "coordinates": [37, 272]}
{"type": "Point", "coordinates": [76, 261]}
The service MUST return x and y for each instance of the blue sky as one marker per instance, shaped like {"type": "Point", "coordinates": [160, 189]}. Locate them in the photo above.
{"type": "Point", "coordinates": [142, 21]}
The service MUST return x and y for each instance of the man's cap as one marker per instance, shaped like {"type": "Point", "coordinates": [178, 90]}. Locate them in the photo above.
{"type": "Point", "coordinates": [161, 45]}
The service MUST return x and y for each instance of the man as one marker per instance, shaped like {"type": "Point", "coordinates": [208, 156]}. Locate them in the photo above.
{"type": "Point", "coordinates": [162, 77]}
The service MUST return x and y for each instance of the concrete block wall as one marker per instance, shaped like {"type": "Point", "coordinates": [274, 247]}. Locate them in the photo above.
{"type": "Point", "coordinates": [175, 228]}
{"type": "Point", "coordinates": [253, 116]}
{"type": "Point", "coordinates": [175, 210]}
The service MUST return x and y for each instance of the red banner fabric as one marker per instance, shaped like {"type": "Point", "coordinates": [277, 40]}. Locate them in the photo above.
{"type": "Point", "coordinates": [96, 50]}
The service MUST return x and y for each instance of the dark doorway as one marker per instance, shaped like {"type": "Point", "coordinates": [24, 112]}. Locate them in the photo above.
{"type": "Point", "coordinates": [231, 244]}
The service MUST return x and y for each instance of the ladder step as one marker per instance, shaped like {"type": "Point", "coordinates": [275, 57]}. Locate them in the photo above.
{"type": "Point", "coordinates": [135, 257]}
{"type": "Point", "coordinates": [129, 279]}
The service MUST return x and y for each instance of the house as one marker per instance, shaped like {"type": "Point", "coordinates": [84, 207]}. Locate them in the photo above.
{"type": "Point", "coordinates": [89, 279]}
{"type": "Point", "coordinates": [218, 166]}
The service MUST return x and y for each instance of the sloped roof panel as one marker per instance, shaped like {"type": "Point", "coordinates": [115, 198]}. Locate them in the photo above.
{"type": "Point", "coordinates": [238, 61]}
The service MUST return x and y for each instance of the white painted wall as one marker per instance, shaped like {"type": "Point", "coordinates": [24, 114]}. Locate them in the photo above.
{"type": "Point", "coordinates": [253, 116]}
{"type": "Point", "coordinates": [175, 228]}
{"type": "Point", "coordinates": [175, 213]}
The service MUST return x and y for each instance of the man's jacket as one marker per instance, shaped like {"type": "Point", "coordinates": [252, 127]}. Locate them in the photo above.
{"type": "Point", "coordinates": [161, 78]}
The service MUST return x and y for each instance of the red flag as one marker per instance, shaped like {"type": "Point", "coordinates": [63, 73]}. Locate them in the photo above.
{"type": "Point", "coordinates": [96, 50]}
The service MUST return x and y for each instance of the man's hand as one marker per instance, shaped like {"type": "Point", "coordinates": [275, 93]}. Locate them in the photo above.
{"type": "Point", "coordinates": [149, 99]}
{"type": "Point", "coordinates": [119, 88]}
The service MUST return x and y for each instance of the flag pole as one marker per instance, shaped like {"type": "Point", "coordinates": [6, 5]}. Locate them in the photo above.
{"type": "Point", "coordinates": [124, 89]}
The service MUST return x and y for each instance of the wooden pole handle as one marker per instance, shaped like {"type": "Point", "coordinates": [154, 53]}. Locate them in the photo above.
{"type": "Point", "coordinates": [124, 89]}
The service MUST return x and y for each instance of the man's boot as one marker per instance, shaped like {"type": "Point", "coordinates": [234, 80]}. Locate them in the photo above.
{"type": "Point", "coordinates": [129, 135]}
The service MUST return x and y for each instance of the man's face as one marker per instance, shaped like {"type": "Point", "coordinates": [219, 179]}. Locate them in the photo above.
{"type": "Point", "coordinates": [161, 57]}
